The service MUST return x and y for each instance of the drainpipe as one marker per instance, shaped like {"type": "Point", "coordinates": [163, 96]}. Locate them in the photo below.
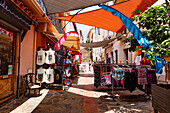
{"type": "Point", "coordinates": [22, 35]}
{"type": "Point", "coordinates": [18, 77]}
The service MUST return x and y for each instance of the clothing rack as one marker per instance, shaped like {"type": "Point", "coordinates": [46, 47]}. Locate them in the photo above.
{"type": "Point", "coordinates": [151, 78]}
{"type": "Point", "coordinates": [98, 70]}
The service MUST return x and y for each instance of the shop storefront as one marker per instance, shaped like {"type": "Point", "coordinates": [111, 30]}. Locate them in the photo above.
{"type": "Point", "coordinates": [13, 26]}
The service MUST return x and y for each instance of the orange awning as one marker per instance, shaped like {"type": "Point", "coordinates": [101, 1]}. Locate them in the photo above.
{"type": "Point", "coordinates": [105, 20]}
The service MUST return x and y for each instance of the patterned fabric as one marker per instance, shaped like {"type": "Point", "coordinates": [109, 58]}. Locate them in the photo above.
{"type": "Point", "coordinates": [151, 79]}
{"type": "Point", "coordinates": [106, 80]}
{"type": "Point", "coordinates": [142, 77]}
{"type": "Point", "coordinates": [118, 73]}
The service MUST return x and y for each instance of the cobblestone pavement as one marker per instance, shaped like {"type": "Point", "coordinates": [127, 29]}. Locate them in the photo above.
{"type": "Point", "coordinates": [83, 97]}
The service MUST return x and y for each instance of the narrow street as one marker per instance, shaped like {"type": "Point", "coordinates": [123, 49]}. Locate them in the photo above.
{"type": "Point", "coordinates": [81, 97]}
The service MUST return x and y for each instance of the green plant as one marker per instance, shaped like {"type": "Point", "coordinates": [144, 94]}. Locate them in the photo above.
{"type": "Point", "coordinates": [154, 22]}
{"type": "Point", "coordinates": [160, 50]}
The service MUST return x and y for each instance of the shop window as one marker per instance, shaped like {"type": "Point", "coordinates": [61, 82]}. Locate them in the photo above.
{"type": "Point", "coordinates": [6, 45]}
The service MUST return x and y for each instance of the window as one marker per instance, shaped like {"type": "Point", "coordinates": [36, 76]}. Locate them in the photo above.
{"type": "Point", "coordinates": [6, 45]}
{"type": "Point", "coordinates": [126, 54]}
{"type": "Point", "coordinates": [98, 31]}
{"type": "Point", "coordinates": [116, 57]}
{"type": "Point", "coordinates": [112, 56]}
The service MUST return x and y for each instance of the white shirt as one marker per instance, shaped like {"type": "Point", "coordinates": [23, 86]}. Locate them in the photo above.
{"type": "Point", "coordinates": [50, 58]}
{"type": "Point", "coordinates": [40, 57]}
{"type": "Point", "coordinates": [138, 59]}
{"type": "Point", "coordinates": [40, 75]}
{"type": "Point", "coordinates": [49, 77]}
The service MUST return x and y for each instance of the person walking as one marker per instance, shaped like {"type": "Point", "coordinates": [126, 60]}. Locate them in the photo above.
{"type": "Point", "coordinates": [89, 65]}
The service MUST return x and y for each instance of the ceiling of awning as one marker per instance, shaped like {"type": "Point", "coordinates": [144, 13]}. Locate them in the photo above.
{"type": "Point", "coordinates": [69, 42]}
{"type": "Point", "coordinates": [96, 44]}
{"type": "Point", "coordinates": [105, 20]}
{"type": "Point", "coordinates": [58, 6]}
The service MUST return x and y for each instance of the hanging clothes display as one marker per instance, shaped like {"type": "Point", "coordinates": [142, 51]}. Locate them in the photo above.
{"type": "Point", "coordinates": [59, 57]}
{"type": "Point", "coordinates": [118, 73]}
{"type": "Point", "coordinates": [96, 76]}
{"type": "Point", "coordinates": [50, 57]}
{"type": "Point", "coordinates": [49, 76]}
{"type": "Point", "coordinates": [130, 80]}
{"type": "Point", "coordinates": [40, 75]}
{"type": "Point", "coordinates": [151, 78]}
{"type": "Point", "coordinates": [58, 76]}
{"type": "Point", "coordinates": [142, 77]}
{"type": "Point", "coordinates": [40, 57]}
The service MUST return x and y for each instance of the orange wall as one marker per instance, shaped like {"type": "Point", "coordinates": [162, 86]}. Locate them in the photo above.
{"type": "Point", "coordinates": [28, 51]}
{"type": "Point", "coordinates": [42, 40]}
{"type": "Point", "coordinates": [32, 40]}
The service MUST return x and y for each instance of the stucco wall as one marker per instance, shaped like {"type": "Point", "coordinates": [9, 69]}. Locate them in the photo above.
{"type": "Point", "coordinates": [120, 46]}
{"type": "Point", "coordinates": [27, 51]}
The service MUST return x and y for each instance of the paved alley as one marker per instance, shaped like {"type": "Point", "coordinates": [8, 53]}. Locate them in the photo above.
{"type": "Point", "coordinates": [81, 97]}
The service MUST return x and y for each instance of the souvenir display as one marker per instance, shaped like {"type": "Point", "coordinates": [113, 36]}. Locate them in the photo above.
{"type": "Point", "coordinates": [50, 57]}
{"type": "Point", "coordinates": [40, 57]}
{"type": "Point", "coordinates": [40, 75]}
{"type": "Point", "coordinates": [49, 76]}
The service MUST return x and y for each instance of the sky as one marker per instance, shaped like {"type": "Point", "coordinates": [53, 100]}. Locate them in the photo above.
{"type": "Point", "coordinates": [85, 28]}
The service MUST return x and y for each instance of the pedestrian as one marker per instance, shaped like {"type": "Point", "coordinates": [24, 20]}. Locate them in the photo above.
{"type": "Point", "coordinates": [89, 65]}
{"type": "Point", "coordinates": [138, 59]}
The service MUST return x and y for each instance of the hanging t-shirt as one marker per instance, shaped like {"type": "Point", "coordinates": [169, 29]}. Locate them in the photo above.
{"type": "Point", "coordinates": [40, 57]}
{"type": "Point", "coordinates": [49, 76]}
{"type": "Point", "coordinates": [58, 76]}
{"type": "Point", "coordinates": [40, 75]}
{"type": "Point", "coordinates": [142, 76]}
{"type": "Point", "coordinates": [59, 57]}
{"type": "Point", "coordinates": [130, 81]}
{"type": "Point", "coordinates": [50, 58]}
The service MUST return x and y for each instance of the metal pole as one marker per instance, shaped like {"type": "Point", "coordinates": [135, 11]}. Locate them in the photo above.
{"type": "Point", "coordinates": [112, 68]}
{"type": "Point", "coordinates": [131, 50]}
{"type": "Point", "coordinates": [18, 77]}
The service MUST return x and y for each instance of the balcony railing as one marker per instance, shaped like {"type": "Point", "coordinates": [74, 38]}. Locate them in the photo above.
{"type": "Point", "coordinates": [40, 2]}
